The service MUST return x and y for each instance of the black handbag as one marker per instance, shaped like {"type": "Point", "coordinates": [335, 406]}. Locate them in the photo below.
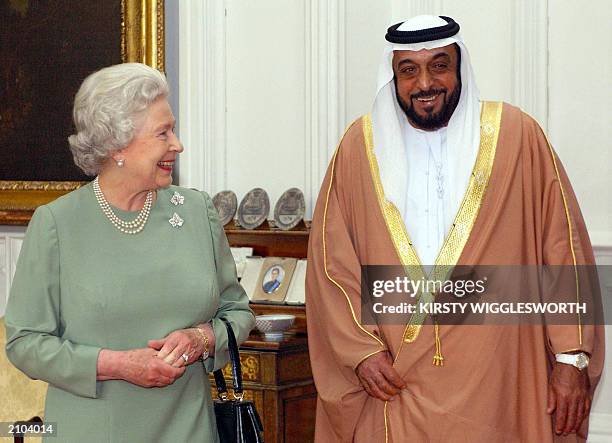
{"type": "Point", "coordinates": [237, 419]}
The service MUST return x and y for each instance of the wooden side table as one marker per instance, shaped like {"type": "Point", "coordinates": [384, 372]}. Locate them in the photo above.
{"type": "Point", "coordinates": [277, 375]}
{"type": "Point", "coordinates": [278, 378]}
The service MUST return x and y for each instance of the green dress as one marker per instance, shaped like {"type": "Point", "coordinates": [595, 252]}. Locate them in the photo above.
{"type": "Point", "coordinates": [82, 285]}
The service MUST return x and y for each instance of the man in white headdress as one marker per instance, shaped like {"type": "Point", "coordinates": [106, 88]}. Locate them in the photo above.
{"type": "Point", "coordinates": [436, 177]}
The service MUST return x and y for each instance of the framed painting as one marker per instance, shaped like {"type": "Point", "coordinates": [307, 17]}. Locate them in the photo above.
{"type": "Point", "coordinates": [48, 48]}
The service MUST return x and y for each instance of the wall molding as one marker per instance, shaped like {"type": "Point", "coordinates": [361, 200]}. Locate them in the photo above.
{"type": "Point", "coordinates": [602, 242]}
{"type": "Point", "coordinates": [202, 94]}
{"type": "Point", "coordinates": [530, 58]}
{"type": "Point", "coordinates": [215, 126]}
{"type": "Point", "coordinates": [603, 254]}
{"type": "Point", "coordinates": [324, 40]}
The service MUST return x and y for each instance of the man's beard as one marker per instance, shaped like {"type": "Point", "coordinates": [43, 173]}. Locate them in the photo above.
{"type": "Point", "coordinates": [435, 120]}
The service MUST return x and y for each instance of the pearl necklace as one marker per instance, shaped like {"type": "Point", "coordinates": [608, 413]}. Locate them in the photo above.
{"type": "Point", "coordinates": [132, 227]}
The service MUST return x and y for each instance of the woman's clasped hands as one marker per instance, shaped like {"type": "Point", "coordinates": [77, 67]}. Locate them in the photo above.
{"type": "Point", "coordinates": [162, 363]}
{"type": "Point", "coordinates": [185, 346]}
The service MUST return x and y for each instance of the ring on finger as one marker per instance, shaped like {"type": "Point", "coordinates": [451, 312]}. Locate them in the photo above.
{"type": "Point", "coordinates": [185, 357]}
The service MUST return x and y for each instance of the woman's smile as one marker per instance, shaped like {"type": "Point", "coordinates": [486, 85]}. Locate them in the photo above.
{"type": "Point", "coordinates": [166, 165]}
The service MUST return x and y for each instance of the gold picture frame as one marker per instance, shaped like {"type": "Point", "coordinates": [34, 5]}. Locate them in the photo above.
{"type": "Point", "coordinates": [142, 40]}
{"type": "Point", "coordinates": [274, 280]}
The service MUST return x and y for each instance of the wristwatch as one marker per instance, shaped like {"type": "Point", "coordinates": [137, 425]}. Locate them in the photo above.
{"type": "Point", "coordinates": [580, 360]}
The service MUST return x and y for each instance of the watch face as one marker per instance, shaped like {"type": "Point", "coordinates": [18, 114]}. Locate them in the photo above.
{"type": "Point", "coordinates": [582, 361]}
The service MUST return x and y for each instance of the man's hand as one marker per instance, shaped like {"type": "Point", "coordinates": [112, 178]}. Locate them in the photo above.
{"type": "Point", "coordinates": [379, 378]}
{"type": "Point", "coordinates": [568, 395]}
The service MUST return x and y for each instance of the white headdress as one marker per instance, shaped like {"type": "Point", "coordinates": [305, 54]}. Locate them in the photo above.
{"type": "Point", "coordinates": [389, 120]}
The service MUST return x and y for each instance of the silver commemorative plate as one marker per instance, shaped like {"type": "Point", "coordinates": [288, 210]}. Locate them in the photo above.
{"type": "Point", "coordinates": [254, 208]}
{"type": "Point", "coordinates": [289, 209]}
{"type": "Point", "coordinates": [226, 203]}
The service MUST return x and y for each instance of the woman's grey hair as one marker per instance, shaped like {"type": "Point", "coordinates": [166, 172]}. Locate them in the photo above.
{"type": "Point", "coordinates": [106, 108]}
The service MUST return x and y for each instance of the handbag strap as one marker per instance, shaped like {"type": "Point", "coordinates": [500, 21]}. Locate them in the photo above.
{"type": "Point", "coordinates": [236, 367]}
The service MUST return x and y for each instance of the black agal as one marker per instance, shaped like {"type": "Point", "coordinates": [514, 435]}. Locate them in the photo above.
{"type": "Point", "coordinates": [422, 35]}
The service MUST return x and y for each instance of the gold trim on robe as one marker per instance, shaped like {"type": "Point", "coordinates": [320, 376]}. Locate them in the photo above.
{"type": "Point", "coordinates": [461, 229]}
{"type": "Point", "coordinates": [571, 238]}
{"type": "Point", "coordinates": [357, 323]}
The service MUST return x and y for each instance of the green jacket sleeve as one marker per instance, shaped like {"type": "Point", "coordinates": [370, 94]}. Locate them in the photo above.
{"type": "Point", "coordinates": [33, 316]}
{"type": "Point", "coordinates": [233, 301]}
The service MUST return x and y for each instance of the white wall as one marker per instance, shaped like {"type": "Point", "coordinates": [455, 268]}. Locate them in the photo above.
{"type": "Point", "coordinates": [579, 97]}
{"type": "Point", "coordinates": [580, 72]}
{"type": "Point", "coordinates": [267, 107]}
{"type": "Point", "coordinates": [364, 19]}
{"type": "Point", "coordinates": [262, 93]}
{"type": "Point", "coordinates": [601, 416]}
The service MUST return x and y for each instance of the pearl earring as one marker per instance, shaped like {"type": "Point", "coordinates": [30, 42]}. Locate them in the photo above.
{"type": "Point", "coordinates": [120, 162]}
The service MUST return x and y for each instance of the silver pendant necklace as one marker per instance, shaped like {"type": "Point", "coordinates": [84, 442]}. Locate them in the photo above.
{"type": "Point", "coordinates": [439, 177]}
{"type": "Point", "coordinates": [439, 174]}
{"type": "Point", "coordinates": [131, 227]}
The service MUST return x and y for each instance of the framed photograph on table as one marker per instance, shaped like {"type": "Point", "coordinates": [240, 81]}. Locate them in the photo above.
{"type": "Point", "coordinates": [48, 49]}
{"type": "Point", "coordinates": [274, 279]}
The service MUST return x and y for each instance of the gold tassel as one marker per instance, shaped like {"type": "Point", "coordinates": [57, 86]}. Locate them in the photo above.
{"type": "Point", "coordinates": [438, 359]}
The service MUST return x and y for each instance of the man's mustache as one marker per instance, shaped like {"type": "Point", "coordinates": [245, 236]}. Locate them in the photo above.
{"type": "Point", "coordinates": [429, 93]}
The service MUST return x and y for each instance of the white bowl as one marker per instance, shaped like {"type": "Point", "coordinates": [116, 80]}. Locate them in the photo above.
{"type": "Point", "coordinates": [273, 325]}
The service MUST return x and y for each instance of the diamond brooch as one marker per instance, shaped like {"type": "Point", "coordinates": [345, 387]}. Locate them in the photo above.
{"type": "Point", "coordinates": [177, 199]}
{"type": "Point", "coordinates": [176, 221]}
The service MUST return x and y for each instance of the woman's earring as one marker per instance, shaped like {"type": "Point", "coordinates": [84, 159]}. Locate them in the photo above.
{"type": "Point", "coordinates": [120, 162]}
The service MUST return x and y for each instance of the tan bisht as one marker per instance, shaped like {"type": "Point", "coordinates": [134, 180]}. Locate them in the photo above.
{"type": "Point", "coordinates": [519, 208]}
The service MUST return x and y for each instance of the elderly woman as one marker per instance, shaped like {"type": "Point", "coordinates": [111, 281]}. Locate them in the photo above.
{"type": "Point", "coordinates": [121, 285]}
